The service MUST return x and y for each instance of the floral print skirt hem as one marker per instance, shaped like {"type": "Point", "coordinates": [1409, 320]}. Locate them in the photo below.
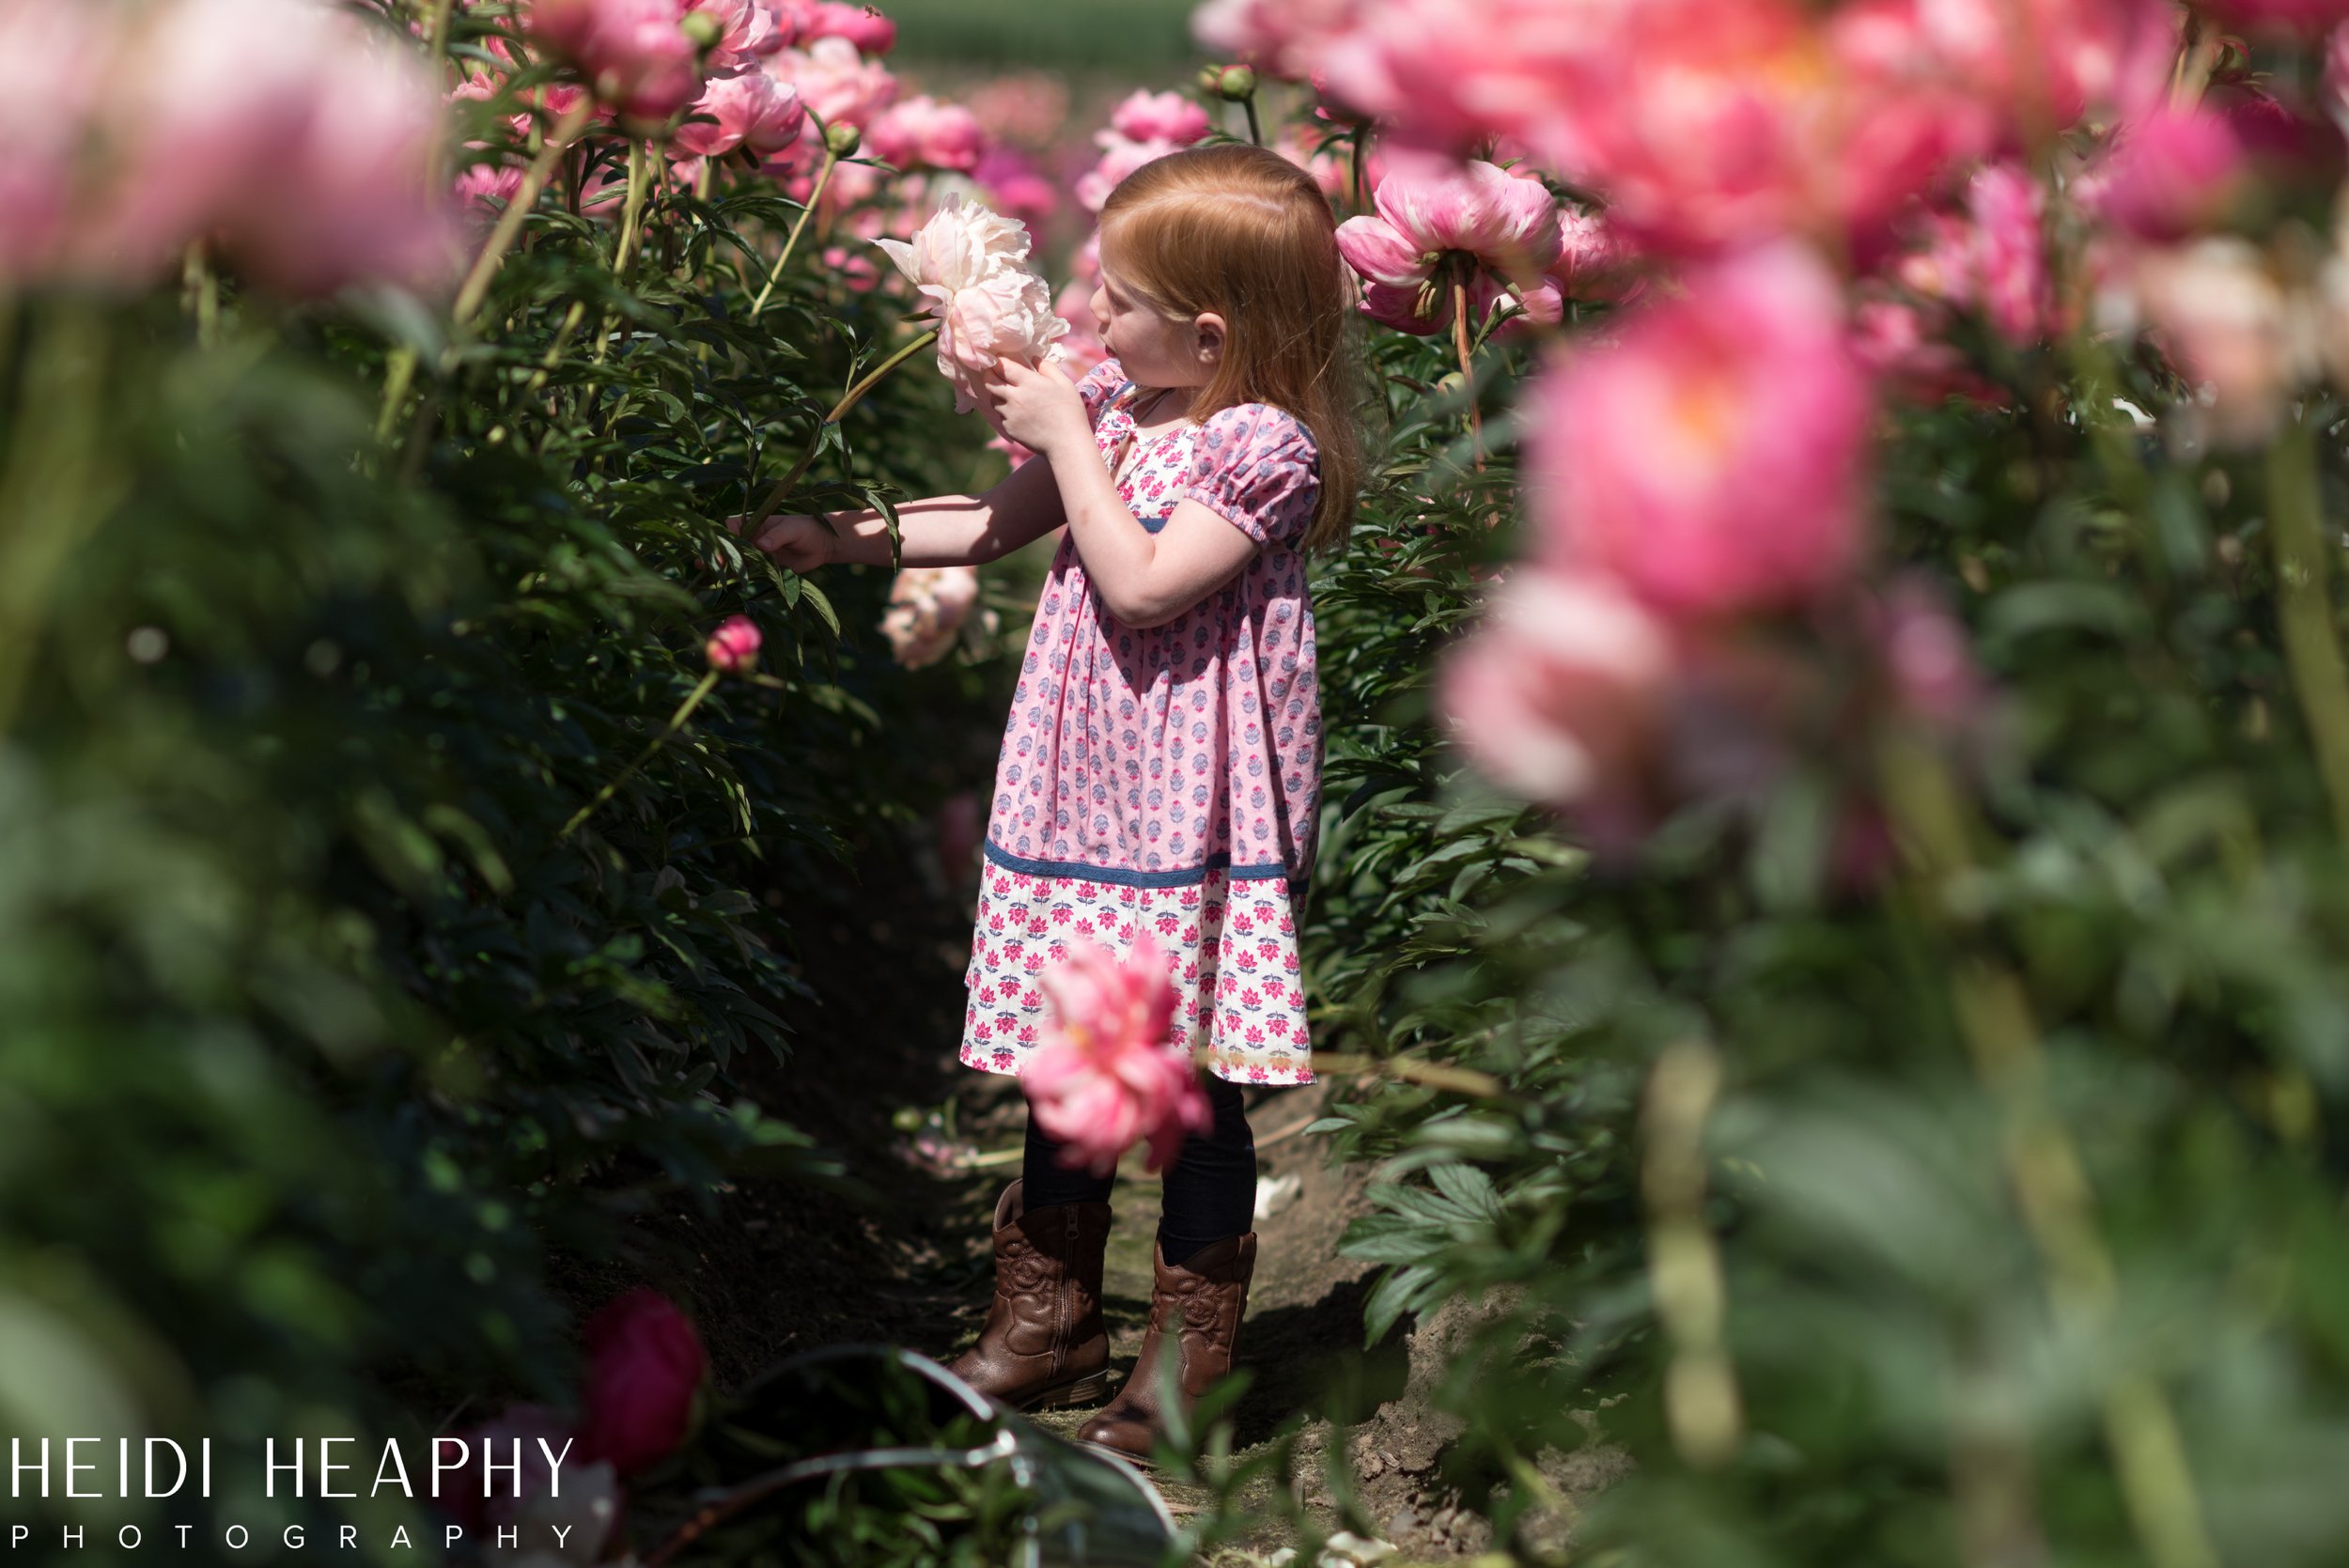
{"type": "Point", "coordinates": [1232, 946]}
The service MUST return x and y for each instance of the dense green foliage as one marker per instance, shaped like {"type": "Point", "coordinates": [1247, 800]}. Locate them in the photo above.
{"type": "Point", "coordinates": [323, 1032]}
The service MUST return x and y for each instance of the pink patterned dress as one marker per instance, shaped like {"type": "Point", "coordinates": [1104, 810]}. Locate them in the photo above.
{"type": "Point", "coordinates": [1166, 779]}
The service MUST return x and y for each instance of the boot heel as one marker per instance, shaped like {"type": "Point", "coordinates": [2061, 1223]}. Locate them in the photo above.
{"type": "Point", "coordinates": [1084, 1390]}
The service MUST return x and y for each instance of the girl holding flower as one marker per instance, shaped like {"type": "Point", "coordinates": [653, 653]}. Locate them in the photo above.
{"type": "Point", "coordinates": [1159, 778]}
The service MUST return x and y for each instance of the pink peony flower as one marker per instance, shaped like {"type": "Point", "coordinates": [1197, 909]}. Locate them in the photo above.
{"type": "Point", "coordinates": [1904, 347]}
{"type": "Point", "coordinates": [635, 53]}
{"type": "Point", "coordinates": [2170, 175]}
{"type": "Point", "coordinates": [928, 607]}
{"type": "Point", "coordinates": [838, 84]}
{"type": "Point", "coordinates": [1926, 656]}
{"type": "Point", "coordinates": [308, 164]}
{"type": "Point", "coordinates": [969, 266]}
{"type": "Point", "coordinates": [644, 1373]}
{"type": "Point", "coordinates": [1016, 187]}
{"type": "Point", "coordinates": [1555, 697]}
{"type": "Point", "coordinates": [1148, 117]}
{"type": "Point", "coordinates": [1446, 79]}
{"type": "Point", "coordinates": [861, 25]}
{"type": "Point", "coordinates": [734, 647]}
{"type": "Point", "coordinates": [1742, 124]}
{"type": "Point", "coordinates": [749, 110]}
{"type": "Point", "coordinates": [921, 132]}
{"type": "Point", "coordinates": [1027, 109]}
{"type": "Point", "coordinates": [1106, 1075]}
{"type": "Point", "coordinates": [748, 31]}
{"type": "Point", "coordinates": [1285, 38]}
{"type": "Point", "coordinates": [1438, 225]}
{"type": "Point", "coordinates": [1713, 455]}
{"type": "Point", "coordinates": [2011, 284]}
{"type": "Point", "coordinates": [54, 64]}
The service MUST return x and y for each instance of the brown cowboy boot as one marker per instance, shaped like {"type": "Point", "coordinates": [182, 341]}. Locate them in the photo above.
{"type": "Point", "coordinates": [1200, 1304]}
{"type": "Point", "coordinates": [1044, 1347]}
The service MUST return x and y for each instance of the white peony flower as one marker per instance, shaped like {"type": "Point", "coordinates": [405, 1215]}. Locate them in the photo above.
{"type": "Point", "coordinates": [969, 264]}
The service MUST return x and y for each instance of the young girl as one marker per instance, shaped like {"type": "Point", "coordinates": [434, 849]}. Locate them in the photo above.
{"type": "Point", "coordinates": [1161, 766]}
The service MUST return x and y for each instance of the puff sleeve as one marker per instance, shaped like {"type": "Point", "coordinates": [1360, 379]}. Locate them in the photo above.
{"type": "Point", "coordinates": [1098, 386]}
{"type": "Point", "coordinates": [1256, 467]}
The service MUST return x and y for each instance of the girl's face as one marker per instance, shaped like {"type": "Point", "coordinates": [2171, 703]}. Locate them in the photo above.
{"type": "Point", "coordinates": [1155, 349]}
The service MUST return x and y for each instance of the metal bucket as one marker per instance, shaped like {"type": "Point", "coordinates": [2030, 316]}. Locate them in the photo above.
{"type": "Point", "coordinates": [851, 1408]}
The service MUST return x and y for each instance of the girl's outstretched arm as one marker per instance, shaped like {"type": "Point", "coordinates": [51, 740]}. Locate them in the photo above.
{"type": "Point", "coordinates": [1145, 578]}
{"type": "Point", "coordinates": [940, 531]}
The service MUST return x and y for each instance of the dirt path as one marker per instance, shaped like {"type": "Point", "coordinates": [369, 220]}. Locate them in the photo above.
{"type": "Point", "coordinates": [899, 1250]}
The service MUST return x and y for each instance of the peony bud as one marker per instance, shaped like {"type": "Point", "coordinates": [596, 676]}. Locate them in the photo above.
{"type": "Point", "coordinates": [734, 647]}
{"type": "Point", "coordinates": [703, 29]}
{"type": "Point", "coordinates": [842, 140]}
{"type": "Point", "coordinates": [1211, 79]}
{"type": "Point", "coordinates": [1236, 82]}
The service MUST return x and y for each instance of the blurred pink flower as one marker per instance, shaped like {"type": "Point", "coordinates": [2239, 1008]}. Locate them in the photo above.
{"type": "Point", "coordinates": [2014, 290]}
{"type": "Point", "coordinates": [750, 110]}
{"type": "Point", "coordinates": [1713, 455]}
{"type": "Point", "coordinates": [1109, 1073]}
{"type": "Point", "coordinates": [635, 53]}
{"type": "Point", "coordinates": [1083, 348]}
{"type": "Point", "coordinates": [1924, 653]}
{"type": "Point", "coordinates": [734, 647]}
{"type": "Point", "coordinates": [750, 32]}
{"type": "Point", "coordinates": [1740, 124]}
{"type": "Point", "coordinates": [969, 266]}
{"type": "Point", "coordinates": [1556, 696]}
{"type": "Point", "coordinates": [1169, 117]}
{"type": "Point", "coordinates": [921, 132]}
{"type": "Point", "coordinates": [854, 268]}
{"type": "Point", "coordinates": [307, 165]}
{"type": "Point", "coordinates": [54, 66]}
{"type": "Point", "coordinates": [644, 1370]}
{"type": "Point", "coordinates": [2027, 68]}
{"type": "Point", "coordinates": [837, 84]}
{"type": "Point", "coordinates": [1027, 108]}
{"type": "Point", "coordinates": [928, 607]}
{"type": "Point", "coordinates": [1440, 224]}
{"type": "Point", "coordinates": [861, 25]}
{"type": "Point", "coordinates": [2248, 342]}
{"type": "Point", "coordinates": [1285, 38]}
{"type": "Point", "coordinates": [1451, 77]}
{"type": "Point", "coordinates": [2170, 175]}
{"type": "Point", "coordinates": [1902, 345]}
{"type": "Point", "coordinates": [1016, 187]}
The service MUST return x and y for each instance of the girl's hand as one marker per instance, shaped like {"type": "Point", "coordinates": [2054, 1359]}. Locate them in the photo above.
{"type": "Point", "coordinates": [801, 543]}
{"type": "Point", "coordinates": [1038, 409]}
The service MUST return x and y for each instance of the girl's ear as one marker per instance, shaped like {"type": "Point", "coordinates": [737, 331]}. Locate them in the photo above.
{"type": "Point", "coordinates": [1212, 332]}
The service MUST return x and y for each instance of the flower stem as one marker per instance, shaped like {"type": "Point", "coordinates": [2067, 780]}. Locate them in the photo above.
{"type": "Point", "coordinates": [1468, 364]}
{"type": "Point", "coordinates": [816, 443]}
{"type": "Point", "coordinates": [1702, 1406]}
{"type": "Point", "coordinates": [509, 224]}
{"type": "Point", "coordinates": [436, 34]}
{"type": "Point", "coordinates": [56, 483]}
{"type": "Point", "coordinates": [815, 199]}
{"type": "Point", "coordinates": [1435, 1075]}
{"type": "Point", "coordinates": [2044, 1168]}
{"type": "Point", "coordinates": [1255, 126]}
{"type": "Point", "coordinates": [625, 262]}
{"type": "Point", "coordinates": [677, 722]}
{"type": "Point", "coordinates": [1362, 157]}
{"type": "Point", "coordinates": [2305, 607]}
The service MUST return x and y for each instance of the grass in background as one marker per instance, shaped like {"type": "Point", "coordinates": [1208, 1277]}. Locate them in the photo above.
{"type": "Point", "coordinates": [1143, 35]}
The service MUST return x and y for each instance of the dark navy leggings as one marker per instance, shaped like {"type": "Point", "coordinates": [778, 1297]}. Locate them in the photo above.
{"type": "Point", "coordinates": [1210, 1188]}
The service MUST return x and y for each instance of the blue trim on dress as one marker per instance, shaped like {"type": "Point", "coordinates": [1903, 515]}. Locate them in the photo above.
{"type": "Point", "coordinates": [1121, 876]}
{"type": "Point", "coordinates": [1151, 525]}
